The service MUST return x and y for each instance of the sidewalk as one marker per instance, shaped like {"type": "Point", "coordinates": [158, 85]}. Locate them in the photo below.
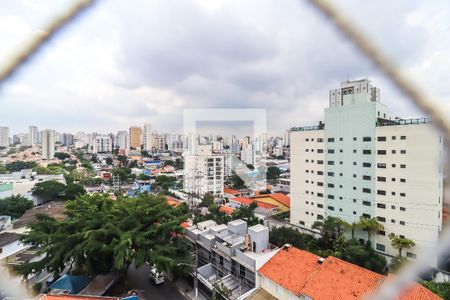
{"type": "Point", "coordinates": [187, 290]}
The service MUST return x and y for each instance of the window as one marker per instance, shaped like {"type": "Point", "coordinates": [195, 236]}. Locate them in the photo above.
{"type": "Point", "coordinates": [330, 162]}
{"type": "Point", "coordinates": [402, 180]}
{"type": "Point", "coordinates": [307, 150]}
{"type": "Point", "coordinates": [331, 185]}
{"type": "Point", "coordinates": [301, 222]}
{"type": "Point", "coordinates": [341, 162]}
{"type": "Point", "coordinates": [330, 140]}
{"type": "Point", "coordinates": [392, 221]}
{"type": "Point", "coordinates": [393, 152]}
{"type": "Point", "coordinates": [366, 216]}
{"type": "Point", "coordinates": [381, 247]}
{"type": "Point", "coordinates": [341, 139]}
{"type": "Point", "coordinates": [320, 162]}
{"type": "Point", "coordinates": [330, 196]}
{"type": "Point", "coordinates": [381, 165]}
{"type": "Point", "coordinates": [381, 232]}
{"type": "Point", "coordinates": [306, 160]}
{"type": "Point", "coordinates": [354, 175]}
{"type": "Point", "coordinates": [381, 205]}
{"type": "Point", "coordinates": [367, 139]}
{"type": "Point", "coordinates": [403, 137]}
{"type": "Point", "coordinates": [366, 177]}
{"type": "Point", "coordinates": [354, 138]}
{"type": "Point", "coordinates": [381, 178]}
{"type": "Point", "coordinates": [330, 207]}
{"type": "Point", "coordinates": [393, 179]}
{"type": "Point", "coordinates": [393, 165]}
{"type": "Point", "coordinates": [366, 165]}
{"type": "Point", "coordinates": [320, 183]}
{"type": "Point", "coordinates": [402, 195]}
{"type": "Point", "coordinates": [381, 152]}
{"type": "Point", "coordinates": [381, 192]}
{"type": "Point", "coordinates": [354, 163]}
{"type": "Point", "coordinates": [307, 140]}
{"type": "Point", "coordinates": [330, 174]}
{"type": "Point", "coordinates": [381, 219]}
{"type": "Point", "coordinates": [354, 188]}
{"type": "Point", "coordinates": [381, 139]}
{"type": "Point", "coordinates": [402, 151]}
{"type": "Point", "coordinates": [366, 203]}
{"type": "Point", "coordinates": [320, 140]}
{"type": "Point", "coordinates": [402, 209]}
{"type": "Point", "coordinates": [319, 217]}
{"type": "Point", "coordinates": [340, 174]}
{"type": "Point", "coordinates": [319, 205]}
{"type": "Point", "coordinates": [319, 172]}
{"type": "Point", "coordinates": [354, 200]}
{"type": "Point", "coordinates": [402, 222]}
{"type": "Point", "coordinates": [319, 195]}
{"type": "Point", "coordinates": [393, 137]}
{"type": "Point", "coordinates": [340, 150]}
{"type": "Point", "coordinates": [403, 166]}
{"type": "Point", "coordinates": [330, 150]}
{"type": "Point", "coordinates": [366, 190]}
{"type": "Point", "coordinates": [393, 193]}
{"type": "Point", "coordinates": [354, 150]}
{"type": "Point", "coordinates": [411, 255]}
{"type": "Point", "coordinates": [367, 152]}
{"type": "Point", "coordinates": [319, 150]}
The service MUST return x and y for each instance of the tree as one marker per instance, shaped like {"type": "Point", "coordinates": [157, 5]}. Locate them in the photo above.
{"type": "Point", "coordinates": [62, 155]}
{"type": "Point", "coordinates": [236, 182]}
{"type": "Point", "coordinates": [207, 200]}
{"type": "Point", "coordinates": [109, 161]}
{"type": "Point", "coordinates": [442, 289]}
{"type": "Point", "coordinates": [15, 206]}
{"type": "Point", "coordinates": [273, 173]}
{"type": "Point", "coordinates": [247, 213]}
{"type": "Point", "coordinates": [49, 190]}
{"type": "Point", "coordinates": [400, 243]}
{"type": "Point", "coordinates": [371, 225]}
{"type": "Point", "coordinates": [164, 182]}
{"type": "Point", "coordinates": [19, 165]}
{"type": "Point", "coordinates": [3, 169]}
{"type": "Point", "coordinates": [99, 235]}
{"type": "Point", "coordinates": [143, 177]}
{"type": "Point", "coordinates": [73, 190]}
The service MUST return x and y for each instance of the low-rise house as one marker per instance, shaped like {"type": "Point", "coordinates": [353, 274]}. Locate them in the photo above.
{"type": "Point", "coordinates": [295, 274]}
{"type": "Point", "coordinates": [282, 201]}
{"type": "Point", "coordinates": [230, 254]}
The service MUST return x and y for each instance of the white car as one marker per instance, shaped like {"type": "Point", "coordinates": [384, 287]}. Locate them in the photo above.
{"type": "Point", "coordinates": [155, 276]}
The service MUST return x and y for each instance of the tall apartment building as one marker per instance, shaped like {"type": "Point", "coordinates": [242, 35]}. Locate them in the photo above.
{"type": "Point", "coordinates": [4, 136]}
{"type": "Point", "coordinates": [48, 144]}
{"type": "Point", "coordinates": [147, 137]}
{"type": "Point", "coordinates": [135, 137]}
{"type": "Point", "coordinates": [123, 141]}
{"type": "Point", "coordinates": [67, 139]}
{"type": "Point", "coordinates": [360, 162]}
{"type": "Point", "coordinates": [33, 136]}
{"type": "Point", "coordinates": [204, 172]}
{"type": "Point", "coordinates": [102, 143]}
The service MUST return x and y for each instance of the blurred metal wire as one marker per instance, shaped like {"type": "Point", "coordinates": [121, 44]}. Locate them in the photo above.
{"type": "Point", "coordinates": [21, 56]}
{"type": "Point", "coordinates": [393, 288]}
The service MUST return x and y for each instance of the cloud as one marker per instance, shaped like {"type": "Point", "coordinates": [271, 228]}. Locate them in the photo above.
{"type": "Point", "coordinates": [126, 64]}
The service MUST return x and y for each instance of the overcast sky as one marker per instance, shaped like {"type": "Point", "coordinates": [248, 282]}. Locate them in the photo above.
{"type": "Point", "coordinates": [122, 65]}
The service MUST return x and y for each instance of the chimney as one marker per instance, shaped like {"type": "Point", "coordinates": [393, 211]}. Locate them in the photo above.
{"type": "Point", "coordinates": [321, 260]}
{"type": "Point", "coordinates": [286, 247]}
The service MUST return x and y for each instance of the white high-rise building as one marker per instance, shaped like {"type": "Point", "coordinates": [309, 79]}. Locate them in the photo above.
{"type": "Point", "coordinates": [102, 143]}
{"type": "Point", "coordinates": [4, 136]}
{"type": "Point", "coordinates": [123, 140]}
{"type": "Point", "coordinates": [204, 172]}
{"type": "Point", "coordinates": [147, 136]}
{"type": "Point", "coordinates": [48, 144]}
{"type": "Point", "coordinates": [33, 136]}
{"type": "Point", "coordinates": [360, 162]}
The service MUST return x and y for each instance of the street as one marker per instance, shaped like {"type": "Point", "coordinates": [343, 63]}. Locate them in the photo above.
{"type": "Point", "coordinates": [139, 280]}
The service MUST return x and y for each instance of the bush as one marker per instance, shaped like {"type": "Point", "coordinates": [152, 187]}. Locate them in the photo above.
{"type": "Point", "coordinates": [15, 206]}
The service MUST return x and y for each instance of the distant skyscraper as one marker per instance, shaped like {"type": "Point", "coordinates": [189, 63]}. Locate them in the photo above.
{"type": "Point", "coordinates": [33, 135]}
{"type": "Point", "coordinates": [147, 136]}
{"type": "Point", "coordinates": [48, 144]}
{"type": "Point", "coordinates": [135, 137]}
{"type": "Point", "coordinates": [67, 139]}
{"type": "Point", "coordinates": [103, 143]}
{"type": "Point", "coordinates": [4, 136]}
{"type": "Point", "coordinates": [123, 141]}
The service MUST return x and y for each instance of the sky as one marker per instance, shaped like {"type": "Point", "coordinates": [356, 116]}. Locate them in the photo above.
{"type": "Point", "coordinates": [120, 64]}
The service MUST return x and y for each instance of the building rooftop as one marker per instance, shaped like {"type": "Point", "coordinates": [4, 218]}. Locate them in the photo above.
{"type": "Point", "coordinates": [7, 238]}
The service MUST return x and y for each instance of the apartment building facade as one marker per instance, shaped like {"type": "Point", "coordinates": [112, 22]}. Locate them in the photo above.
{"type": "Point", "coordinates": [4, 136]}
{"type": "Point", "coordinates": [204, 172]}
{"type": "Point", "coordinates": [48, 144]}
{"type": "Point", "coordinates": [135, 137]}
{"type": "Point", "coordinates": [102, 143]}
{"type": "Point", "coordinates": [360, 162]}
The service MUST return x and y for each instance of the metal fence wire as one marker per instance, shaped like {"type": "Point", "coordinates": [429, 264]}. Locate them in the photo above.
{"type": "Point", "coordinates": [411, 272]}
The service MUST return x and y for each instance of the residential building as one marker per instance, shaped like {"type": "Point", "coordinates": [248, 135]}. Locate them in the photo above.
{"type": "Point", "coordinates": [102, 144]}
{"type": "Point", "coordinates": [4, 136]}
{"type": "Point", "coordinates": [67, 139]}
{"type": "Point", "coordinates": [294, 274]}
{"type": "Point", "coordinates": [135, 137]}
{"type": "Point", "coordinates": [279, 200]}
{"type": "Point", "coordinates": [230, 254]}
{"type": "Point", "coordinates": [204, 172]}
{"type": "Point", "coordinates": [123, 140]}
{"type": "Point", "coordinates": [361, 162]}
{"type": "Point", "coordinates": [33, 135]}
{"type": "Point", "coordinates": [48, 144]}
{"type": "Point", "coordinates": [147, 137]}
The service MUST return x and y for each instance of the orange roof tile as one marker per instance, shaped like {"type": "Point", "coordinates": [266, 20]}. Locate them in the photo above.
{"type": "Point", "coordinates": [172, 201]}
{"type": "Point", "coordinates": [243, 200]}
{"type": "Point", "coordinates": [265, 205]}
{"type": "Point", "coordinates": [185, 225]}
{"type": "Point", "coordinates": [415, 292]}
{"type": "Point", "coordinates": [338, 279]}
{"type": "Point", "coordinates": [282, 198]}
{"type": "Point", "coordinates": [226, 209]}
{"type": "Point", "coordinates": [231, 191]}
{"type": "Point", "coordinates": [291, 269]}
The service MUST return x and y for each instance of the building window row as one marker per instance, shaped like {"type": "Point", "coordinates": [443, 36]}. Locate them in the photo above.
{"type": "Point", "coordinates": [383, 138]}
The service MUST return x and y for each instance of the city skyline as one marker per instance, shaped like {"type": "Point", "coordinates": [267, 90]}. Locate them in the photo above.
{"type": "Point", "coordinates": [267, 66]}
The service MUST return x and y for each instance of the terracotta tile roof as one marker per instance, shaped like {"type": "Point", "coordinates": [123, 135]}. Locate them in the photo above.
{"type": "Point", "coordinates": [226, 209]}
{"type": "Point", "coordinates": [415, 292]}
{"type": "Point", "coordinates": [265, 205]}
{"type": "Point", "coordinates": [282, 198]}
{"type": "Point", "coordinates": [231, 191]}
{"type": "Point", "coordinates": [338, 279]}
{"type": "Point", "coordinates": [185, 225]}
{"type": "Point", "coordinates": [172, 201]}
{"type": "Point", "coordinates": [243, 200]}
{"type": "Point", "coordinates": [291, 269]}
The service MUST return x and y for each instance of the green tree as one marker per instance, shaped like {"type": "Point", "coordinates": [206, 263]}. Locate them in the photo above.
{"type": "Point", "coordinates": [143, 177]}
{"type": "Point", "coordinates": [371, 225]}
{"type": "Point", "coordinates": [73, 190]}
{"type": "Point", "coordinates": [109, 161]}
{"type": "Point", "coordinates": [99, 235]}
{"type": "Point", "coordinates": [247, 213]}
{"type": "Point", "coordinates": [49, 190]}
{"type": "Point", "coordinates": [15, 206]}
{"type": "Point", "coordinates": [442, 289]}
{"type": "Point", "coordinates": [62, 155]}
{"type": "Point", "coordinates": [273, 173]}
{"type": "Point", "coordinates": [164, 182]}
{"type": "Point", "coordinates": [207, 200]}
{"type": "Point", "coordinates": [236, 182]}
{"type": "Point", "coordinates": [19, 165]}
{"type": "Point", "coordinates": [3, 170]}
{"type": "Point", "coordinates": [400, 243]}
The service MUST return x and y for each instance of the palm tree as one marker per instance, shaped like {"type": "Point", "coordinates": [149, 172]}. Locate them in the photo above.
{"type": "Point", "coordinates": [371, 225]}
{"type": "Point", "coordinates": [400, 243]}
